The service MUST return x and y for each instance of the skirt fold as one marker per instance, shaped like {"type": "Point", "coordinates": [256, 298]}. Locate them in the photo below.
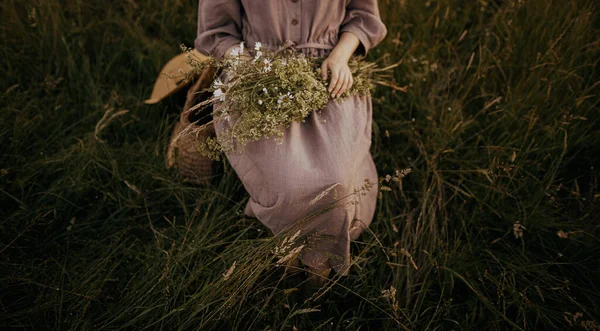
{"type": "Point", "coordinates": [332, 147]}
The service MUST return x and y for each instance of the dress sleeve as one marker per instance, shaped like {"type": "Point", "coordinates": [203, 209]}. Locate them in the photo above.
{"type": "Point", "coordinates": [219, 26]}
{"type": "Point", "coordinates": [362, 19]}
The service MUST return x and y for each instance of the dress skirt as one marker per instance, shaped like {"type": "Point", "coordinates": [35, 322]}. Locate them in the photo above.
{"type": "Point", "coordinates": [330, 148]}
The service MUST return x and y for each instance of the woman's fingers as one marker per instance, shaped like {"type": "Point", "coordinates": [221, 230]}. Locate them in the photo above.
{"type": "Point", "coordinates": [346, 85]}
{"type": "Point", "coordinates": [341, 78]}
{"type": "Point", "coordinates": [351, 81]}
{"type": "Point", "coordinates": [340, 89]}
{"type": "Point", "coordinates": [324, 68]}
{"type": "Point", "coordinates": [333, 85]}
{"type": "Point", "coordinates": [343, 85]}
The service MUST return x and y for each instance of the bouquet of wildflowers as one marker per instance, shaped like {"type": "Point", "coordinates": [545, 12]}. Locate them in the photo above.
{"type": "Point", "coordinates": [264, 94]}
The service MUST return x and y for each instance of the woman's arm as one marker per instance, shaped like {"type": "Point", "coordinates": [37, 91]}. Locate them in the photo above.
{"type": "Point", "coordinates": [361, 30]}
{"type": "Point", "coordinates": [363, 20]}
{"type": "Point", "coordinates": [219, 27]}
{"type": "Point", "coordinates": [337, 63]}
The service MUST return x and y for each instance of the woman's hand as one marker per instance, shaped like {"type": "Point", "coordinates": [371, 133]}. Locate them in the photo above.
{"type": "Point", "coordinates": [337, 63]}
{"type": "Point", "coordinates": [341, 76]}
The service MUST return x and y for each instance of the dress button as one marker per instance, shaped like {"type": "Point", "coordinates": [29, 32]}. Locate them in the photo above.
{"type": "Point", "coordinates": [294, 22]}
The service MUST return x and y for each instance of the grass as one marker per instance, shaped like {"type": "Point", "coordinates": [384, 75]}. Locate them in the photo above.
{"type": "Point", "coordinates": [499, 125]}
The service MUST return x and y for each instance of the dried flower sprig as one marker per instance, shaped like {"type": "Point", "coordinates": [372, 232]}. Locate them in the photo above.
{"type": "Point", "coordinates": [285, 251]}
{"type": "Point", "coordinates": [262, 96]}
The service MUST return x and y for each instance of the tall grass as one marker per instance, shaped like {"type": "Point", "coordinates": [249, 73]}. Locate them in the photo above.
{"type": "Point", "coordinates": [496, 226]}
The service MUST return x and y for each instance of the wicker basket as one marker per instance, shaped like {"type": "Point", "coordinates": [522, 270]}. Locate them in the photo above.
{"type": "Point", "coordinates": [183, 155]}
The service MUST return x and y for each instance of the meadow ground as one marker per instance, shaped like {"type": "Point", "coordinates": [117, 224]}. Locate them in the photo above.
{"type": "Point", "coordinates": [496, 227]}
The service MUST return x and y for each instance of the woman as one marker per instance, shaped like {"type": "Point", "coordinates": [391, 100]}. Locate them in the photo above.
{"type": "Point", "coordinates": [332, 146]}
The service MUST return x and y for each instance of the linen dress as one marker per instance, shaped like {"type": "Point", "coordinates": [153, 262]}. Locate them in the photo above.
{"type": "Point", "coordinates": [332, 146]}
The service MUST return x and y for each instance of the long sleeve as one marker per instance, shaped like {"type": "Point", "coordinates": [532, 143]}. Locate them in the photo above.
{"type": "Point", "coordinates": [363, 20]}
{"type": "Point", "coordinates": [219, 26]}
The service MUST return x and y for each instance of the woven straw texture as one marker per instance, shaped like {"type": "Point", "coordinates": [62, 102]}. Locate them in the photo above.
{"type": "Point", "coordinates": [183, 155]}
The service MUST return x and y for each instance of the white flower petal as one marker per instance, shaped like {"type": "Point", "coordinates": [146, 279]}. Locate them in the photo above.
{"type": "Point", "coordinates": [218, 93]}
{"type": "Point", "coordinates": [267, 65]}
{"type": "Point", "coordinates": [218, 83]}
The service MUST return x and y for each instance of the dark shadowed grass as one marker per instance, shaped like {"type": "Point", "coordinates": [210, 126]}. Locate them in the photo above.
{"type": "Point", "coordinates": [496, 226]}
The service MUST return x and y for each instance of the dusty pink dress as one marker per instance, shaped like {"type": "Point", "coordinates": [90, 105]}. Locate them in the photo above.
{"type": "Point", "coordinates": [331, 146]}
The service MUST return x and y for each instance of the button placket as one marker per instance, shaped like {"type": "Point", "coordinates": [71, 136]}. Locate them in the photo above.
{"type": "Point", "coordinates": [297, 16]}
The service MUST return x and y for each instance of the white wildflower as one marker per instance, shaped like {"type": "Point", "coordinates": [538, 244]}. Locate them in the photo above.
{"type": "Point", "coordinates": [241, 48]}
{"type": "Point", "coordinates": [258, 55]}
{"type": "Point", "coordinates": [235, 52]}
{"type": "Point", "coordinates": [260, 102]}
{"type": "Point", "coordinates": [218, 93]}
{"type": "Point", "coordinates": [218, 83]}
{"type": "Point", "coordinates": [267, 65]}
{"type": "Point", "coordinates": [285, 98]}
{"type": "Point", "coordinates": [258, 45]}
